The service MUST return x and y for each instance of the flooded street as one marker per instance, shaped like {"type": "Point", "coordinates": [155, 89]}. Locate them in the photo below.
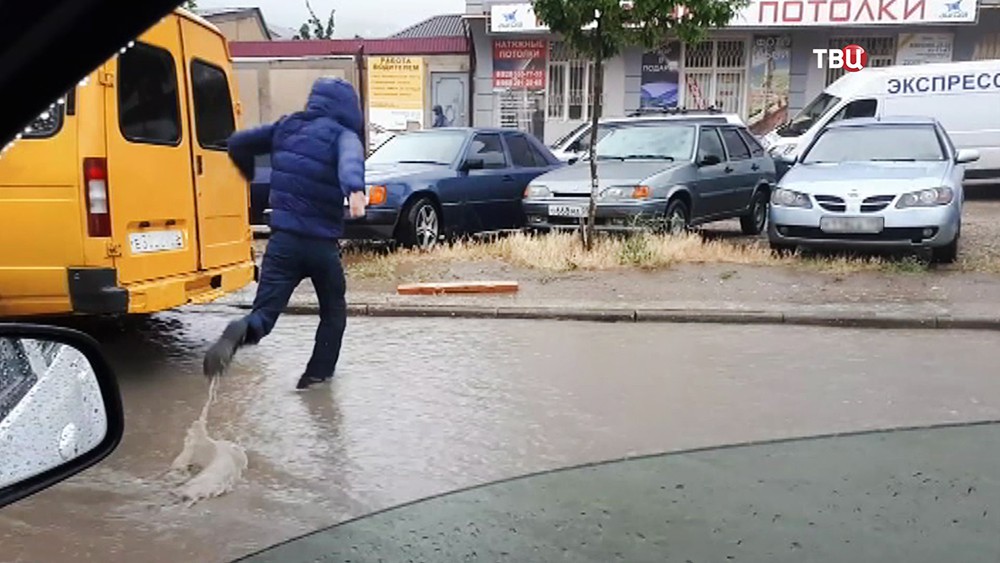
{"type": "Point", "coordinates": [424, 406]}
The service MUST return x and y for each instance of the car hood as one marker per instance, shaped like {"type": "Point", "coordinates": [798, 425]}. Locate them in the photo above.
{"type": "Point", "coordinates": [396, 172]}
{"type": "Point", "coordinates": [871, 178]}
{"type": "Point", "coordinates": [817, 499]}
{"type": "Point", "coordinates": [576, 178]}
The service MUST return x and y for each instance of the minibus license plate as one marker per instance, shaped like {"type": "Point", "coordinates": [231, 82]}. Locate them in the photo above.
{"type": "Point", "coordinates": [863, 225]}
{"type": "Point", "coordinates": [155, 241]}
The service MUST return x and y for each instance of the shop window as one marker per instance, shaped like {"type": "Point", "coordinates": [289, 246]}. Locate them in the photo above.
{"type": "Point", "coordinates": [570, 80]}
{"type": "Point", "coordinates": [881, 52]}
{"type": "Point", "coordinates": [523, 110]}
{"type": "Point", "coordinates": [987, 48]}
{"type": "Point", "coordinates": [715, 75]}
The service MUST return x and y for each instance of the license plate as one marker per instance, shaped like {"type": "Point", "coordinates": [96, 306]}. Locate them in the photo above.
{"type": "Point", "coordinates": [156, 241]}
{"type": "Point", "coordinates": [575, 211]}
{"type": "Point", "coordinates": [862, 225]}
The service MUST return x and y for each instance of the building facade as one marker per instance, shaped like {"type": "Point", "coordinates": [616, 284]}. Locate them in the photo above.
{"type": "Point", "coordinates": [400, 80]}
{"type": "Point", "coordinates": [762, 66]}
{"type": "Point", "coordinates": [239, 24]}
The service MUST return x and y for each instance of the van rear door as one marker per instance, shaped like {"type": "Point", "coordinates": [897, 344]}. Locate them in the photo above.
{"type": "Point", "coordinates": [40, 229]}
{"type": "Point", "coordinates": [150, 191]}
{"type": "Point", "coordinates": [222, 194]}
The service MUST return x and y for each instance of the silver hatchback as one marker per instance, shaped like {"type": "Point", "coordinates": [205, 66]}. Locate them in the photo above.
{"type": "Point", "coordinates": [874, 182]}
{"type": "Point", "coordinates": [668, 175]}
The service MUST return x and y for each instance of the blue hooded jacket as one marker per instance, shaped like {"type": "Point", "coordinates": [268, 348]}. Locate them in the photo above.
{"type": "Point", "coordinates": [317, 160]}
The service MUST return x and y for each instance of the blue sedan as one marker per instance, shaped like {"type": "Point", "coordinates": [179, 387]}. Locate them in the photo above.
{"type": "Point", "coordinates": [425, 185]}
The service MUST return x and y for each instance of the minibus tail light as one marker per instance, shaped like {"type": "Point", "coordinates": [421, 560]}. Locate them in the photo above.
{"type": "Point", "coordinates": [95, 179]}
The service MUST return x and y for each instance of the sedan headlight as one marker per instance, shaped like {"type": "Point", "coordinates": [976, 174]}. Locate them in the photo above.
{"type": "Point", "coordinates": [790, 198]}
{"type": "Point", "coordinates": [617, 193]}
{"type": "Point", "coordinates": [537, 191]}
{"type": "Point", "coordinates": [926, 198]}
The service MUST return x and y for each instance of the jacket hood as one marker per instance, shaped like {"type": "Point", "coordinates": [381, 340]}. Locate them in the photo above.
{"type": "Point", "coordinates": [336, 98]}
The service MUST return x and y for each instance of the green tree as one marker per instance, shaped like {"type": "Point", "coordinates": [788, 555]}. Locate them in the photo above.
{"type": "Point", "coordinates": [314, 27]}
{"type": "Point", "coordinates": [601, 29]}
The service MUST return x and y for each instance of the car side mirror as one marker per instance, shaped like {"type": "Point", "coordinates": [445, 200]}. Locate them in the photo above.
{"type": "Point", "coordinates": [60, 409]}
{"type": "Point", "coordinates": [710, 160]}
{"type": "Point", "coordinates": [966, 156]}
{"type": "Point", "coordinates": [787, 158]}
{"type": "Point", "coordinates": [473, 164]}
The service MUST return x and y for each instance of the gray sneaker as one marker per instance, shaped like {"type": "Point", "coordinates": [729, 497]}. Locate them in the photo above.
{"type": "Point", "coordinates": [221, 353]}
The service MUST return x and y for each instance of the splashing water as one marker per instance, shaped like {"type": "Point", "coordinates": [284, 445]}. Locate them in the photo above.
{"type": "Point", "coordinates": [207, 467]}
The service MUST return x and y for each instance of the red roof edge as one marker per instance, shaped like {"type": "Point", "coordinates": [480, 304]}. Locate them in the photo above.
{"type": "Point", "coordinates": [314, 48]}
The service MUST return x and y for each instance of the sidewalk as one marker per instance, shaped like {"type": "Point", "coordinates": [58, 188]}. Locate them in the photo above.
{"type": "Point", "coordinates": [689, 293]}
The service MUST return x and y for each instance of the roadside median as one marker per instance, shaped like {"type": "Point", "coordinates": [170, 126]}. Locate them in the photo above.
{"type": "Point", "coordinates": [843, 317]}
{"type": "Point", "coordinates": [716, 279]}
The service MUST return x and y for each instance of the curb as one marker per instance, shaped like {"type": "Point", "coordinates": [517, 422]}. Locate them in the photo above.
{"type": "Point", "coordinates": [695, 316]}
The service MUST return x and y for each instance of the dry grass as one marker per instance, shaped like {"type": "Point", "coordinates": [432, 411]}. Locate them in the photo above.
{"type": "Point", "coordinates": [563, 252]}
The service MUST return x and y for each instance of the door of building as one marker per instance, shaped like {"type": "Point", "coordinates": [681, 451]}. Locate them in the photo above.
{"type": "Point", "coordinates": [450, 90]}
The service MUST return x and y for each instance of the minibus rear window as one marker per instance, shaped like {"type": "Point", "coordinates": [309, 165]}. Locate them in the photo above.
{"type": "Point", "coordinates": [48, 123]}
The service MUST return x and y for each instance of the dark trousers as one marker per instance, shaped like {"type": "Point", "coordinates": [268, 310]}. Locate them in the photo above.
{"type": "Point", "coordinates": [288, 260]}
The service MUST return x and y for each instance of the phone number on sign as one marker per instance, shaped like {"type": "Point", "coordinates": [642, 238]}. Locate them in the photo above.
{"type": "Point", "coordinates": [508, 79]}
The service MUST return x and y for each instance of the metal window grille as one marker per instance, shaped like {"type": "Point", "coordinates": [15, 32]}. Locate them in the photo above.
{"type": "Point", "coordinates": [568, 94]}
{"type": "Point", "coordinates": [881, 52]}
{"type": "Point", "coordinates": [715, 75]}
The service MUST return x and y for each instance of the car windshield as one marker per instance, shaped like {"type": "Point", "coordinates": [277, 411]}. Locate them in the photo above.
{"type": "Point", "coordinates": [568, 137]}
{"type": "Point", "coordinates": [808, 116]}
{"type": "Point", "coordinates": [876, 143]}
{"type": "Point", "coordinates": [431, 147]}
{"type": "Point", "coordinates": [661, 141]}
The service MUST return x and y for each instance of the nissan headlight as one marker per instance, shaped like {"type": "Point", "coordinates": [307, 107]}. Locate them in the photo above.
{"type": "Point", "coordinates": [790, 198]}
{"type": "Point", "coordinates": [931, 197]}
{"type": "Point", "coordinates": [537, 191]}
{"type": "Point", "coordinates": [618, 193]}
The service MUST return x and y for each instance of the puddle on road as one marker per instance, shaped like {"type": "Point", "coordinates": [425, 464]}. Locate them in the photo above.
{"type": "Point", "coordinates": [206, 467]}
{"type": "Point", "coordinates": [424, 406]}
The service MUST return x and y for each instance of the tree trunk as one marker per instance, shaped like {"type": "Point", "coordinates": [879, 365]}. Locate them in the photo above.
{"type": "Point", "coordinates": [596, 88]}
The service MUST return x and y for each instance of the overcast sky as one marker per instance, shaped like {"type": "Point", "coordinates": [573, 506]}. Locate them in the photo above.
{"type": "Point", "coordinates": [368, 18]}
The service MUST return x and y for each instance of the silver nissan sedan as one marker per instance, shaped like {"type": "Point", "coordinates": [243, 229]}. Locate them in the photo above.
{"type": "Point", "coordinates": [891, 182]}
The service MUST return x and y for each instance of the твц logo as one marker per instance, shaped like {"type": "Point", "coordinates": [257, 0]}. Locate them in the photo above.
{"type": "Point", "coordinates": [851, 58]}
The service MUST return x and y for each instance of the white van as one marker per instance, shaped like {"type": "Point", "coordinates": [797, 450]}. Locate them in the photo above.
{"type": "Point", "coordinates": [964, 97]}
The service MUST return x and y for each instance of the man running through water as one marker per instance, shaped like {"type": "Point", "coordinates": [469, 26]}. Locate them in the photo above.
{"type": "Point", "coordinates": [317, 160]}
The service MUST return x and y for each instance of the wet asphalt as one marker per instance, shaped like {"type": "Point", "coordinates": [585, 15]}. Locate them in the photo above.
{"type": "Point", "coordinates": [424, 406]}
